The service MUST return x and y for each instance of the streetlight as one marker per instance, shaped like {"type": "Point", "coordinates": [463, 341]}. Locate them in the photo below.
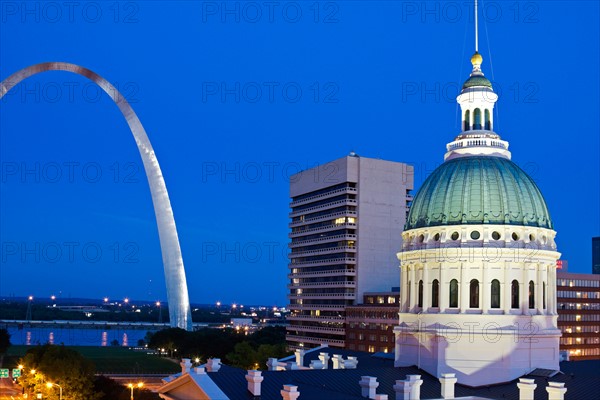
{"type": "Point", "coordinates": [28, 314]}
{"type": "Point", "coordinates": [159, 312]}
{"type": "Point", "coordinates": [131, 386]}
{"type": "Point", "coordinates": [50, 385]}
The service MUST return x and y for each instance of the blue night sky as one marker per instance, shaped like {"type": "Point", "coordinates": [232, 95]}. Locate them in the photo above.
{"type": "Point", "coordinates": [235, 100]}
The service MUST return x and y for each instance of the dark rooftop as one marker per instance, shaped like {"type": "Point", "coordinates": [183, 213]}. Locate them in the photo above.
{"type": "Point", "coordinates": [581, 378]}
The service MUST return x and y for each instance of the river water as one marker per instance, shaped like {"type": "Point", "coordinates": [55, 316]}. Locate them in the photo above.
{"type": "Point", "coordinates": [75, 336]}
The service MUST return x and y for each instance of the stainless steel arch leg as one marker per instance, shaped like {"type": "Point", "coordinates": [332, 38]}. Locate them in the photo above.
{"type": "Point", "coordinates": [177, 292]}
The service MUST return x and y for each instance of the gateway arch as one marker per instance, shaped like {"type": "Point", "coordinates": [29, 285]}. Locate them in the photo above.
{"type": "Point", "coordinates": [177, 292]}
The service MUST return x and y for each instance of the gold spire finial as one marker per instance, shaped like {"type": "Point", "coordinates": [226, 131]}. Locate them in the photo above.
{"type": "Point", "coordinates": [476, 60]}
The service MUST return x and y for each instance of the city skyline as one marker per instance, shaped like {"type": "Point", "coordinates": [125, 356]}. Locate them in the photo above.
{"type": "Point", "coordinates": [227, 155]}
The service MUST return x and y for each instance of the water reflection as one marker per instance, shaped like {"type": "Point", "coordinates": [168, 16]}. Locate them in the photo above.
{"type": "Point", "coordinates": [76, 336]}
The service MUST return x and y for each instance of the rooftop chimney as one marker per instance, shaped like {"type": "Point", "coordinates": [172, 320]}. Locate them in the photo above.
{"type": "Point", "coordinates": [402, 389]}
{"type": "Point", "coordinates": [254, 379]}
{"type": "Point", "coordinates": [300, 357]}
{"type": "Point", "coordinates": [351, 363]}
{"type": "Point", "coordinates": [338, 361]}
{"type": "Point", "coordinates": [368, 386]}
{"type": "Point", "coordinates": [213, 364]}
{"type": "Point", "coordinates": [526, 388]}
{"type": "Point", "coordinates": [186, 365]}
{"type": "Point", "coordinates": [324, 358]}
{"type": "Point", "coordinates": [556, 391]}
{"type": "Point", "coordinates": [290, 392]}
{"type": "Point", "coordinates": [448, 381]}
{"type": "Point", "coordinates": [415, 386]}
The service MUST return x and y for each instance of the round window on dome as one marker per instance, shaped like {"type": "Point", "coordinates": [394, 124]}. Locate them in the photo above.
{"type": "Point", "coordinates": [454, 236]}
{"type": "Point", "coordinates": [475, 235]}
{"type": "Point", "coordinates": [496, 235]}
{"type": "Point", "coordinates": [531, 237]}
{"type": "Point", "coordinates": [436, 237]}
{"type": "Point", "coordinates": [544, 239]}
{"type": "Point", "coordinates": [421, 238]}
{"type": "Point", "coordinates": [515, 236]}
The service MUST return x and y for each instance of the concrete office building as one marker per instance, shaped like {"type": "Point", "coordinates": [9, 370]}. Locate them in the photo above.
{"type": "Point", "coordinates": [346, 223]}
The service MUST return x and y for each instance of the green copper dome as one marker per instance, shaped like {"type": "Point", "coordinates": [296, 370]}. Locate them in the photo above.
{"type": "Point", "coordinates": [478, 190]}
{"type": "Point", "coordinates": [477, 80]}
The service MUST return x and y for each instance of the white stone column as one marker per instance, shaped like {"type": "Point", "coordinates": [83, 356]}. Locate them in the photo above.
{"type": "Point", "coordinates": [426, 289]}
{"type": "Point", "coordinates": [506, 286]}
{"type": "Point", "coordinates": [463, 289]}
{"type": "Point", "coordinates": [524, 291]}
{"type": "Point", "coordinates": [412, 302]}
{"type": "Point", "coordinates": [443, 301]}
{"type": "Point", "coordinates": [553, 286]}
{"type": "Point", "coordinates": [404, 288]}
{"type": "Point", "coordinates": [539, 306]}
{"type": "Point", "coordinates": [485, 299]}
{"type": "Point", "coordinates": [556, 390]}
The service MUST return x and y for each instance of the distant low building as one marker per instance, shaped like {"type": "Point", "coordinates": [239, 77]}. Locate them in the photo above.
{"type": "Point", "coordinates": [596, 255]}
